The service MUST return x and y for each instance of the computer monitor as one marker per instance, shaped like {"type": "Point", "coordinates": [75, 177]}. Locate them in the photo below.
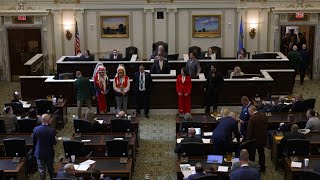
{"type": "Point", "coordinates": [198, 131]}
{"type": "Point", "coordinates": [172, 56]}
{"type": "Point", "coordinates": [215, 159]}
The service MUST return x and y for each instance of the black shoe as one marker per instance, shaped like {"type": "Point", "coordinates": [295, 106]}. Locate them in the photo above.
{"type": "Point", "coordinates": [147, 116]}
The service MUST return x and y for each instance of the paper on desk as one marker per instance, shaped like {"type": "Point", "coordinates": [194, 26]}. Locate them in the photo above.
{"type": "Point", "coordinates": [223, 168]}
{"type": "Point", "coordinates": [286, 103]}
{"type": "Point", "coordinates": [117, 138]}
{"type": "Point", "coordinates": [187, 170]}
{"type": "Point", "coordinates": [99, 121]}
{"type": "Point", "coordinates": [235, 140]}
{"type": "Point", "coordinates": [26, 105]}
{"type": "Point", "coordinates": [88, 162]}
{"type": "Point", "coordinates": [134, 57]}
{"type": "Point", "coordinates": [179, 140]}
{"type": "Point", "coordinates": [85, 140]}
{"type": "Point", "coordinates": [296, 164]}
{"type": "Point", "coordinates": [81, 167]}
{"type": "Point", "coordinates": [185, 57]}
{"type": "Point", "coordinates": [207, 133]}
{"type": "Point", "coordinates": [206, 141]}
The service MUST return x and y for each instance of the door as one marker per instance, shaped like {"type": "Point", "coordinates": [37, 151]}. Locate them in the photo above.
{"type": "Point", "coordinates": [23, 45]}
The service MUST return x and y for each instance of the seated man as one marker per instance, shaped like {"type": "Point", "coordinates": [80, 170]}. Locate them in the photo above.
{"type": "Point", "coordinates": [199, 172]}
{"type": "Point", "coordinates": [191, 138]}
{"type": "Point", "coordinates": [187, 117]}
{"type": "Point", "coordinates": [121, 115]}
{"type": "Point", "coordinates": [115, 55]}
{"type": "Point", "coordinates": [157, 52]}
{"type": "Point", "coordinates": [298, 105]}
{"type": "Point", "coordinates": [313, 122]}
{"type": "Point", "coordinates": [68, 172]}
{"type": "Point", "coordinates": [252, 164]}
{"type": "Point", "coordinates": [160, 66]}
{"type": "Point", "coordinates": [245, 172]}
{"type": "Point", "coordinates": [236, 72]}
{"type": "Point", "coordinates": [293, 134]}
{"type": "Point", "coordinates": [16, 97]}
{"type": "Point", "coordinates": [277, 108]}
{"type": "Point", "coordinates": [9, 119]}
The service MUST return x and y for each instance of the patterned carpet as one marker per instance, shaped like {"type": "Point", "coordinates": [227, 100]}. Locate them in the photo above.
{"type": "Point", "coordinates": [156, 156]}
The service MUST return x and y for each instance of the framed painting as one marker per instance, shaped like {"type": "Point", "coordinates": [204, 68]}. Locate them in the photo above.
{"type": "Point", "coordinates": [204, 26]}
{"type": "Point", "coordinates": [114, 26]}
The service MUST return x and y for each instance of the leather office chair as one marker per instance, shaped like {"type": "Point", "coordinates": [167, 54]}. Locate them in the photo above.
{"type": "Point", "coordinates": [309, 103]}
{"type": "Point", "coordinates": [2, 127]}
{"type": "Point", "coordinates": [17, 107]}
{"type": "Point", "coordinates": [44, 106]}
{"type": "Point", "coordinates": [301, 124]}
{"type": "Point", "coordinates": [286, 108]}
{"type": "Point", "coordinates": [250, 146]}
{"type": "Point", "coordinates": [66, 76]}
{"type": "Point", "coordinates": [207, 177]}
{"type": "Point", "coordinates": [81, 126]}
{"type": "Point", "coordinates": [196, 50]}
{"type": "Point", "coordinates": [300, 147]}
{"type": "Point", "coordinates": [188, 124]}
{"type": "Point", "coordinates": [75, 148]}
{"type": "Point", "coordinates": [120, 125]}
{"type": "Point", "coordinates": [217, 50]}
{"type": "Point", "coordinates": [129, 51]}
{"type": "Point", "coordinates": [156, 44]}
{"type": "Point", "coordinates": [116, 148]}
{"type": "Point", "coordinates": [26, 125]}
{"type": "Point", "coordinates": [12, 146]}
{"type": "Point", "coordinates": [192, 149]}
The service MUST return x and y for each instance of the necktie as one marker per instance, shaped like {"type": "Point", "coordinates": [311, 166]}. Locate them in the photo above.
{"type": "Point", "coordinates": [115, 57]}
{"type": "Point", "coordinates": [141, 81]}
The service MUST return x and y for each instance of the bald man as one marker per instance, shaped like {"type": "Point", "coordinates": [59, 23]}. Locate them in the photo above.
{"type": "Point", "coordinates": [44, 138]}
{"type": "Point", "coordinates": [121, 115]}
{"type": "Point", "coordinates": [252, 164]}
{"type": "Point", "coordinates": [294, 58]}
{"type": "Point", "coordinates": [191, 138]}
{"type": "Point", "coordinates": [68, 172]}
{"type": "Point", "coordinates": [199, 172]}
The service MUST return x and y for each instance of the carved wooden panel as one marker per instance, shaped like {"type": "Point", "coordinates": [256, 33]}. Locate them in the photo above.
{"type": "Point", "coordinates": [66, 1]}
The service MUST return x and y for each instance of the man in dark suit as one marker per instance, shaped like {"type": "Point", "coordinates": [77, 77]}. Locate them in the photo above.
{"type": "Point", "coordinates": [193, 66]}
{"type": "Point", "coordinates": [44, 138]}
{"type": "Point", "coordinates": [293, 134]}
{"type": "Point", "coordinates": [68, 172]}
{"type": "Point", "coordinates": [258, 130]}
{"type": "Point", "coordinates": [115, 55]}
{"type": "Point", "coordinates": [191, 138]}
{"type": "Point", "coordinates": [245, 172]}
{"type": "Point", "coordinates": [222, 134]}
{"type": "Point", "coordinates": [16, 97]}
{"type": "Point", "coordinates": [160, 66]}
{"type": "Point", "coordinates": [299, 105]}
{"type": "Point", "coordinates": [252, 164]}
{"type": "Point", "coordinates": [277, 108]}
{"type": "Point", "coordinates": [84, 91]}
{"type": "Point", "coordinates": [244, 115]}
{"type": "Point", "coordinates": [199, 172]}
{"type": "Point", "coordinates": [142, 85]}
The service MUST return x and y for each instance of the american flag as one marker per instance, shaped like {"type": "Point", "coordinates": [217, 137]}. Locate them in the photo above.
{"type": "Point", "coordinates": [77, 41]}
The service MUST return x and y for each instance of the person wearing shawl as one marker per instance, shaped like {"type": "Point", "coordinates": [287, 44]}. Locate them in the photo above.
{"type": "Point", "coordinates": [121, 86]}
{"type": "Point", "coordinates": [102, 86]}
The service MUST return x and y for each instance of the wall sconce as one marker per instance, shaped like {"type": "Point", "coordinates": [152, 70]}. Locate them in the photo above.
{"type": "Point", "coordinates": [67, 27]}
{"type": "Point", "coordinates": [252, 33]}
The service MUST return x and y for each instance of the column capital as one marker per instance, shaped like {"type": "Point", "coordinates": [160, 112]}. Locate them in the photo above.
{"type": "Point", "coordinates": [148, 10]}
{"type": "Point", "coordinates": [78, 11]}
{"type": "Point", "coordinates": [261, 10]}
{"type": "Point", "coordinates": [173, 10]}
{"type": "Point", "coordinates": [56, 12]}
{"type": "Point", "coordinates": [242, 10]}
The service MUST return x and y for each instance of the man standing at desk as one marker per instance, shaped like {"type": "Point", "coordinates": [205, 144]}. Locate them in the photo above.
{"type": "Point", "coordinates": [142, 84]}
{"type": "Point", "coordinates": [44, 138]}
{"type": "Point", "coordinates": [84, 91]}
{"type": "Point", "coordinates": [193, 66]}
{"type": "Point", "coordinates": [244, 115]}
{"type": "Point", "coordinates": [160, 66]}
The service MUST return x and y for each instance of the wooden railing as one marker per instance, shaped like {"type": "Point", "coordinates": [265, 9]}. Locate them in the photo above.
{"type": "Point", "coordinates": [35, 65]}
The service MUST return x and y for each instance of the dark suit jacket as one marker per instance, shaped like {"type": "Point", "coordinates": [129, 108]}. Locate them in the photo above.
{"type": "Point", "coordinates": [258, 128]}
{"type": "Point", "coordinates": [277, 108]}
{"type": "Point", "coordinates": [285, 127]}
{"type": "Point", "coordinates": [246, 173]}
{"type": "Point", "coordinates": [187, 140]}
{"type": "Point", "coordinates": [62, 174]}
{"type": "Point", "coordinates": [15, 100]}
{"type": "Point", "coordinates": [193, 67]}
{"type": "Point", "coordinates": [223, 132]}
{"type": "Point", "coordinates": [83, 88]}
{"type": "Point", "coordinates": [44, 137]}
{"type": "Point", "coordinates": [119, 56]}
{"type": "Point", "coordinates": [148, 83]}
{"type": "Point", "coordinates": [156, 67]}
{"type": "Point", "coordinates": [198, 174]}
{"type": "Point", "coordinates": [299, 106]}
{"type": "Point", "coordinates": [292, 135]}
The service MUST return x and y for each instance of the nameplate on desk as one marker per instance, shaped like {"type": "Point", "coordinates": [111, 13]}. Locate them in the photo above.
{"type": "Point", "coordinates": [206, 141]}
{"type": "Point", "coordinates": [117, 138]}
{"type": "Point", "coordinates": [207, 133]}
{"type": "Point", "coordinates": [179, 140]}
{"type": "Point", "coordinates": [185, 57]}
{"type": "Point", "coordinates": [99, 121]}
{"type": "Point", "coordinates": [134, 57]}
{"type": "Point", "coordinates": [223, 169]}
{"type": "Point", "coordinates": [296, 164]}
{"type": "Point", "coordinates": [26, 105]}
{"type": "Point", "coordinates": [86, 140]}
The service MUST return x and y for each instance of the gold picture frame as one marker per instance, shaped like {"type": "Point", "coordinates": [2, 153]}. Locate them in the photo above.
{"type": "Point", "coordinates": [114, 26]}
{"type": "Point", "coordinates": [206, 26]}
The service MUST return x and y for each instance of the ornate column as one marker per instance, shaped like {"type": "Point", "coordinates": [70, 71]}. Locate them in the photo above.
{"type": "Point", "coordinates": [276, 40]}
{"type": "Point", "coordinates": [58, 32]}
{"type": "Point", "coordinates": [172, 30]}
{"type": "Point", "coordinates": [78, 14]}
{"type": "Point", "coordinates": [4, 59]}
{"type": "Point", "coordinates": [316, 55]}
{"type": "Point", "coordinates": [242, 13]}
{"type": "Point", "coordinates": [149, 32]}
{"type": "Point", "coordinates": [45, 44]}
{"type": "Point", "coordinates": [263, 25]}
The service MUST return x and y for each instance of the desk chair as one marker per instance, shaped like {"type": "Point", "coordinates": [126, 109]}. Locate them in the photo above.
{"type": "Point", "coordinates": [2, 127]}
{"type": "Point", "coordinates": [44, 106]}
{"type": "Point", "coordinates": [286, 108]}
{"type": "Point", "coordinates": [196, 51]}
{"type": "Point", "coordinates": [156, 45]}
{"type": "Point", "coordinates": [81, 126]}
{"type": "Point", "coordinates": [130, 51]}
{"type": "Point", "coordinates": [192, 149]}
{"type": "Point", "coordinates": [300, 147]}
{"type": "Point", "coordinates": [188, 124]}
{"type": "Point", "coordinates": [75, 148]}
{"type": "Point", "coordinates": [120, 125]}
{"type": "Point", "coordinates": [17, 108]}
{"type": "Point", "coordinates": [26, 125]}
{"type": "Point", "coordinates": [116, 148]}
{"type": "Point", "coordinates": [250, 146]}
{"type": "Point", "coordinates": [309, 103]}
{"type": "Point", "coordinates": [207, 177]}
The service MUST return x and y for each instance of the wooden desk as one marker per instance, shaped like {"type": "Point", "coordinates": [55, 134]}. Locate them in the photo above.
{"type": "Point", "coordinates": [208, 168]}
{"type": "Point", "coordinates": [295, 173]}
{"type": "Point", "coordinates": [209, 123]}
{"type": "Point", "coordinates": [108, 166]}
{"type": "Point", "coordinates": [11, 169]}
{"type": "Point", "coordinates": [276, 118]}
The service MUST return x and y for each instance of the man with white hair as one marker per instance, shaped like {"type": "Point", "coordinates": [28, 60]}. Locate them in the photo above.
{"type": "Point", "coordinates": [121, 87]}
{"type": "Point", "coordinates": [68, 172]}
{"type": "Point", "coordinates": [102, 86]}
{"type": "Point", "coordinates": [44, 138]}
{"type": "Point", "coordinates": [294, 58]}
{"type": "Point", "coordinates": [160, 50]}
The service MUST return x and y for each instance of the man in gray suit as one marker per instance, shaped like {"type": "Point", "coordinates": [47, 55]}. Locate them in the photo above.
{"type": "Point", "coordinates": [193, 66]}
{"type": "Point", "coordinates": [252, 164]}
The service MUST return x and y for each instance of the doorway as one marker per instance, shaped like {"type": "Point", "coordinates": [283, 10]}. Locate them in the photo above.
{"type": "Point", "coordinates": [23, 45]}
{"type": "Point", "coordinates": [308, 33]}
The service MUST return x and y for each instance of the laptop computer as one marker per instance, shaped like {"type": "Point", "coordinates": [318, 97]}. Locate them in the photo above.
{"type": "Point", "coordinates": [198, 131]}
{"type": "Point", "coordinates": [215, 159]}
{"type": "Point", "coordinates": [172, 56]}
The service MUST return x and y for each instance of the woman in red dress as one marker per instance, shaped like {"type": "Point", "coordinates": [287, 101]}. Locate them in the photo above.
{"type": "Point", "coordinates": [183, 87]}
